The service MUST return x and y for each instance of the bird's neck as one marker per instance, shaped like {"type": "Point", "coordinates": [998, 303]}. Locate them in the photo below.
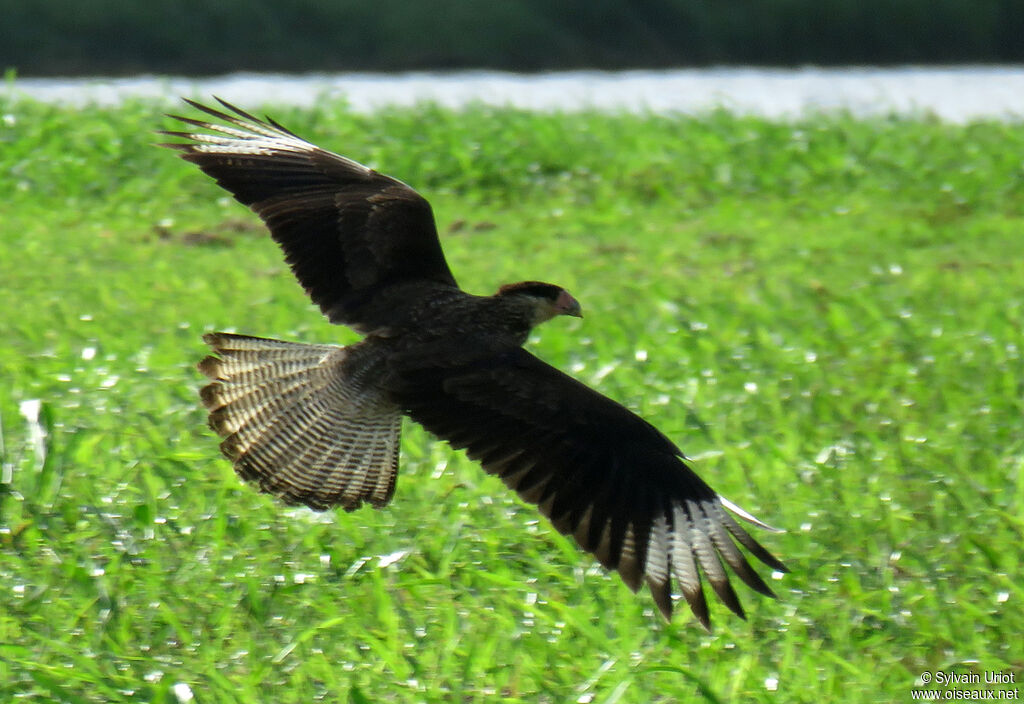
{"type": "Point", "coordinates": [517, 316]}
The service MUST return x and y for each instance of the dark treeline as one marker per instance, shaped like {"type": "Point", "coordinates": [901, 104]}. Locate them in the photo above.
{"type": "Point", "coordinates": [197, 37]}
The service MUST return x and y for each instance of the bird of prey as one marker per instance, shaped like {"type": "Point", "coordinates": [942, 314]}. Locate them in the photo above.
{"type": "Point", "coordinates": [319, 424]}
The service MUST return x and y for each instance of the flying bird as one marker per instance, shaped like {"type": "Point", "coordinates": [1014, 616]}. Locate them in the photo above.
{"type": "Point", "coordinates": [319, 424]}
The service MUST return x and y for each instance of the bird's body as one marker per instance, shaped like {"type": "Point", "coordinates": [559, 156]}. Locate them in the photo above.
{"type": "Point", "coordinates": [319, 424]}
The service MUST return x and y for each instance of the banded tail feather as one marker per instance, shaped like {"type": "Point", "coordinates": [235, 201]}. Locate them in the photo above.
{"type": "Point", "coordinates": [301, 421]}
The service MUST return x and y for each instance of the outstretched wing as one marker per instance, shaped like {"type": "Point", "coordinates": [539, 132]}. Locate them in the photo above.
{"type": "Point", "coordinates": [600, 473]}
{"type": "Point", "coordinates": [348, 232]}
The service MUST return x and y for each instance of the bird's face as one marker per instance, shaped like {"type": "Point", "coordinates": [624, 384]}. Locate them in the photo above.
{"type": "Point", "coordinates": [545, 300]}
{"type": "Point", "coordinates": [565, 304]}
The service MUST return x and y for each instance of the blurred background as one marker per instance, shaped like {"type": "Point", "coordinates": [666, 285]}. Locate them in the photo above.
{"type": "Point", "coordinates": [798, 226]}
{"type": "Point", "coordinates": [126, 37]}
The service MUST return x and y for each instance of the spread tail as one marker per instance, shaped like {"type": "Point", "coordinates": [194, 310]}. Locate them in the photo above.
{"type": "Point", "coordinates": [298, 421]}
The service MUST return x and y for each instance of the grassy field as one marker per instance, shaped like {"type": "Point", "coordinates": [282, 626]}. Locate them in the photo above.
{"type": "Point", "coordinates": [827, 315]}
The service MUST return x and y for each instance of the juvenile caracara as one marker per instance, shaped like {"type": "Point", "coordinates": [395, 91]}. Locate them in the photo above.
{"type": "Point", "coordinates": [319, 424]}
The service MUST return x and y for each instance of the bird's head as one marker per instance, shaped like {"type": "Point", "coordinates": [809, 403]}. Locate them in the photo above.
{"type": "Point", "coordinates": [545, 301]}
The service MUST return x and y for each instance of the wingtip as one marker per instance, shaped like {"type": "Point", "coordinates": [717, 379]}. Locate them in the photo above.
{"type": "Point", "coordinates": [177, 146]}
{"type": "Point", "coordinates": [704, 620]}
{"type": "Point", "coordinates": [698, 606]}
{"type": "Point", "coordinates": [747, 516]}
{"type": "Point", "coordinates": [728, 596]}
{"type": "Point", "coordinates": [225, 103]}
{"type": "Point", "coordinates": [193, 103]}
{"type": "Point", "coordinates": [232, 108]}
{"type": "Point", "coordinates": [212, 112]}
{"type": "Point", "coordinates": [770, 560]}
{"type": "Point", "coordinates": [239, 111]}
{"type": "Point", "coordinates": [661, 592]}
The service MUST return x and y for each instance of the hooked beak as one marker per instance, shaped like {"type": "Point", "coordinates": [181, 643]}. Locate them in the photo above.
{"type": "Point", "coordinates": [567, 305]}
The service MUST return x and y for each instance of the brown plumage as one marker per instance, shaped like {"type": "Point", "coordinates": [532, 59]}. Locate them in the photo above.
{"type": "Point", "coordinates": [319, 424]}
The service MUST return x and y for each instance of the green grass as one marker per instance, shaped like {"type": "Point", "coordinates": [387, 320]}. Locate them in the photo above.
{"type": "Point", "coordinates": [827, 314]}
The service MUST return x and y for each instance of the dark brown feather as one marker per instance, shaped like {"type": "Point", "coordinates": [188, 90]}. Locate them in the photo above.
{"type": "Point", "coordinates": [579, 455]}
{"type": "Point", "coordinates": [348, 232]}
{"type": "Point", "coordinates": [319, 425]}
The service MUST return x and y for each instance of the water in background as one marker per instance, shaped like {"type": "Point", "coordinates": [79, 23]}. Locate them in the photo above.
{"type": "Point", "coordinates": [956, 94]}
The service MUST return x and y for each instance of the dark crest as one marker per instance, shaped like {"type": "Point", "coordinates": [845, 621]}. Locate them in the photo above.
{"type": "Point", "coordinates": [537, 289]}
